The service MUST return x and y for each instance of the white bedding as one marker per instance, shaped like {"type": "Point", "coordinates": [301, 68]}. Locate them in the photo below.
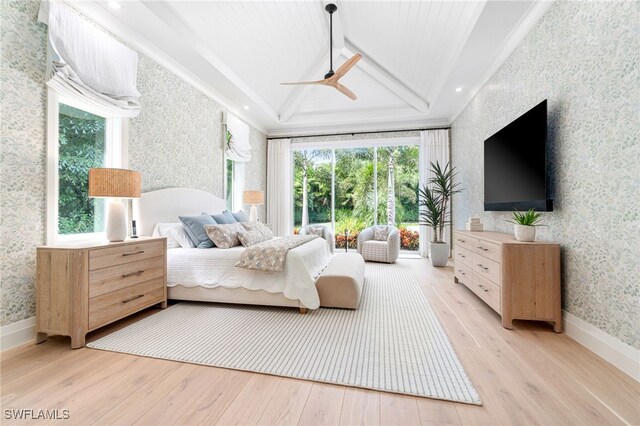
{"type": "Point", "coordinates": [192, 267]}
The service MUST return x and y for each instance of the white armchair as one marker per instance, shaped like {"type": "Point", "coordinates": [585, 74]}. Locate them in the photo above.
{"type": "Point", "coordinates": [379, 250]}
{"type": "Point", "coordinates": [322, 231]}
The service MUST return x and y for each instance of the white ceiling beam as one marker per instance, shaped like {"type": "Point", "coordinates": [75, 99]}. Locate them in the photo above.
{"type": "Point", "coordinates": [383, 77]}
{"type": "Point", "coordinates": [164, 11]}
{"type": "Point", "coordinates": [316, 71]}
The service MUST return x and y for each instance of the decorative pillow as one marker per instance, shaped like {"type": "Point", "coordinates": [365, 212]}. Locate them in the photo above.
{"type": "Point", "coordinates": [194, 226]}
{"type": "Point", "coordinates": [381, 233]}
{"type": "Point", "coordinates": [174, 232]}
{"type": "Point", "coordinates": [315, 230]}
{"type": "Point", "coordinates": [224, 218]}
{"type": "Point", "coordinates": [224, 236]}
{"type": "Point", "coordinates": [240, 216]}
{"type": "Point", "coordinates": [249, 238]}
{"type": "Point", "coordinates": [258, 226]}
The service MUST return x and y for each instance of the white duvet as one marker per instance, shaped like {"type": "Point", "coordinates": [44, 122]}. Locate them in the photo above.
{"type": "Point", "coordinates": [192, 267]}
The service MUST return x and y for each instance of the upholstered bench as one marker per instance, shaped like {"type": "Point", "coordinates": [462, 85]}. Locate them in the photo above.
{"type": "Point", "coordinates": [340, 284]}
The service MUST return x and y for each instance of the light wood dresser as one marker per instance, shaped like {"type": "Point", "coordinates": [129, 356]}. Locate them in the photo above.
{"type": "Point", "coordinates": [519, 280]}
{"type": "Point", "coordinates": [80, 288]}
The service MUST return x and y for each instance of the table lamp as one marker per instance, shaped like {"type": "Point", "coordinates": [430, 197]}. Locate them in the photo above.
{"type": "Point", "coordinates": [253, 198]}
{"type": "Point", "coordinates": [114, 183]}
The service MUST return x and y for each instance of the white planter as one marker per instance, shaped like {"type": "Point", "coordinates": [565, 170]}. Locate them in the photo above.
{"type": "Point", "coordinates": [525, 232]}
{"type": "Point", "coordinates": [439, 253]}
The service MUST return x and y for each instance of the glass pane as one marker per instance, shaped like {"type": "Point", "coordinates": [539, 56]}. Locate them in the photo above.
{"type": "Point", "coordinates": [81, 147]}
{"type": "Point", "coordinates": [355, 198]}
{"type": "Point", "coordinates": [398, 179]}
{"type": "Point", "coordinates": [229, 194]}
{"type": "Point", "coordinates": [312, 187]}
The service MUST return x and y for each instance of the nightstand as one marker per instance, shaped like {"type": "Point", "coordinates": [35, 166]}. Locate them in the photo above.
{"type": "Point", "coordinates": [82, 287]}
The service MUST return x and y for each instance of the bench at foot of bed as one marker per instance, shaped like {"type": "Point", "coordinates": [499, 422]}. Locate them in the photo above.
{"type": "Point", "coordinates": [340, 284]}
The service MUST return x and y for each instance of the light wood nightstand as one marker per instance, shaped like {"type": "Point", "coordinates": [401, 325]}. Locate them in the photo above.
{"type": "Point", "coordinates": [82, 287]}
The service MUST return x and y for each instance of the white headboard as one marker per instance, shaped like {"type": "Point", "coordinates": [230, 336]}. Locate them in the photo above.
{"type": "Point", "coordinates": [165, 205]}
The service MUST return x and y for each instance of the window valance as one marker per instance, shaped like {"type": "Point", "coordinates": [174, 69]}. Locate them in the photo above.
{"type": "Point", "coordinates": [237, 146]}
{"type": "Point", "coordinates": [88, 63]}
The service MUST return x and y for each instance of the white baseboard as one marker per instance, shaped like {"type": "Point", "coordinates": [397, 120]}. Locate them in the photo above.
{"type": "Point", "coordinates": [18, 333]}
{"type": "Point", "coordinates": [618, 353]}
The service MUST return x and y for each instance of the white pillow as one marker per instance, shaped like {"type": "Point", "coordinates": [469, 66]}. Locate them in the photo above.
{"type": "Point", "coordinates": [176, 235]}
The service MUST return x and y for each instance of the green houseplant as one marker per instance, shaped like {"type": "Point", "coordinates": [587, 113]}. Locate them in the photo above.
{"type": "Point", "coordinates": [434, 202]}
{"type": "Point", "coordinates": [525, 224]}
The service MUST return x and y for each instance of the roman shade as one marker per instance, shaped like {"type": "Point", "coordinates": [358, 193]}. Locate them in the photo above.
{"type": "Point", "coordinates": [87, 63]}
{"type": "Point", "coordinates": [237, 146]}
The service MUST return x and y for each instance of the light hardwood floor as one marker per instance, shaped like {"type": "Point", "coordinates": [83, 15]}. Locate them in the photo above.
{"type": "Point", "coordinates": [529, 375]}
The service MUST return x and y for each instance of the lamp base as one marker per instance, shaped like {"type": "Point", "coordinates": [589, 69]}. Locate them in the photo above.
{"type": "Point", "coordinates": [253, 213]}
{"type": "Point", "coordinates": [116, 222]}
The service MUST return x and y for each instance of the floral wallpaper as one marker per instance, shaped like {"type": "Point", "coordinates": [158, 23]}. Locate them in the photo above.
{"type": "Point", "coordinates": [583, 57]}
{"type": "Point", "coordinates": [175, 141]}
{"type": "Point", "coordinates": [22, 155]}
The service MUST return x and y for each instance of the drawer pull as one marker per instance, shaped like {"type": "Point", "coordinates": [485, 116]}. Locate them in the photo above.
{"type": "Point", "coordinates": [133, 252]}
{"type": "Point", "coordinates": [482, 248]}
{"type": "Point", "coordinates": [483, 267]}
{"type": "Point", "coordinates": [461, 255]}
{"type": "Point", "coordinates": [130, 274]}
{"type": "Point", "coordinates": [485, 289]}
{"type": "Point", "coordinates": [132, 298]}
{"type": "Point", "coordinates": [461, 241]}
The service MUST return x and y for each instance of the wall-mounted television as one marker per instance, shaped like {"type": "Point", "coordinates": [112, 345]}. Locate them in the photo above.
{"type": "Point", "coordinates": [515, 164]}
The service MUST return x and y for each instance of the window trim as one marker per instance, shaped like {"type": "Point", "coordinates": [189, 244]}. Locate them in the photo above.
{"type": "Point", "coordinates": [116, 155]}
{"type": "Point", "coordinates": [237, 184]}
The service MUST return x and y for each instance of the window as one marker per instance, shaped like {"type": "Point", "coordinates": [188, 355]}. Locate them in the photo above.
{"type": "Point", "coordinates": [353, 185]}
{"type": "Point", "coordinates": [79, 138]}
{"type": "Point", "coordinates": [234, 184]}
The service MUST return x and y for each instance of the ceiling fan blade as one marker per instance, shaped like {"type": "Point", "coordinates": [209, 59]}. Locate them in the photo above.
{"type": "Point", "coordinates": [344, 68]}
{"type": "Point", "coordinates": [344, 90]}
{"type": "Point", "coordinates": [298, 83]}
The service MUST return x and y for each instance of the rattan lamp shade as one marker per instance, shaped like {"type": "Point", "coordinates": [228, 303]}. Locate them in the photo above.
{"type": "Point", "coordinates": [116, 183]}
{"type": "Point", "coordinates": [253, 197]}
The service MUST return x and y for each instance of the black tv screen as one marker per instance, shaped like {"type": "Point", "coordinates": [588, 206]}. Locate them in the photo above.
{"type": "Point", "coordinates": [515, 164]}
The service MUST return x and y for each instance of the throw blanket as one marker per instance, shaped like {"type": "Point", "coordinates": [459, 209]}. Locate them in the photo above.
{"type": "Point", "coordinates": [269, 255]}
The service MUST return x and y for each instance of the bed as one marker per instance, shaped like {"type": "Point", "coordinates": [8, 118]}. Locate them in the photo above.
{"type": "Point", "coordinates": [210, 275]}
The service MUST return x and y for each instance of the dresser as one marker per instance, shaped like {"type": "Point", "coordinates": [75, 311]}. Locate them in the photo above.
{"type": "Point", "coordinates": [519, 280]}
{"type": "Point", "coordinates": [82, 287]}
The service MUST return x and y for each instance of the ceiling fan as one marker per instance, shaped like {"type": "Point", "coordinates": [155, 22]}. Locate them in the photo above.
{"type": "Point", "coordinates": [331, 78]}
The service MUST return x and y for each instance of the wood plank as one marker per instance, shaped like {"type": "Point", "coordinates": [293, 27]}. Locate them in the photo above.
{"type": "Point", "coordinates": [360, 407]}
{"type": "Point", "coordinates": [287, 403]}
{"type": "Point", "coordinates": [180, 399]}
{"type": "Point", "coordinates": [132, 409]}
{"type": "Point", "coordinates": [213, 402]}
{"type": "Point", "coordinates": [251, 402]}
{"type": "Point", "coordinates": [398, 409]}
{"type": "Point", "coordinates": [434, 412]}
{"type": "Point", "coordinates": [323, 406]}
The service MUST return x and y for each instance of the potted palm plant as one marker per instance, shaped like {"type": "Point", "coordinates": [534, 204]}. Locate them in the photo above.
{"type": "Point", "coordinates": [434, 200]}
{"type": "Point", "coordinates": [525, 224]}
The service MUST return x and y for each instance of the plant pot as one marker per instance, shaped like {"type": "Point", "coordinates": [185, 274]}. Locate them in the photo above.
{"type": "Point", "coordinates": [439, 253]}
{"type": "Point", "coordinates": [525, 232]}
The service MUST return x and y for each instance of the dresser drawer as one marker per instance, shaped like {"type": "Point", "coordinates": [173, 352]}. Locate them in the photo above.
{"type": "Point", "coordinates": [118, 304]}
{"type": "Point", "coordinates": [488, 291]}
{"type": "Point", "coordinates": [464, 241]}
{"type": "Point", "coordinates": [486, 267]}
{"type": "Point", "coordinates": [106, 280]}
{"type": "Point", "coordinates": [463, 272]}
{"type": "Point", "coordinates": [463, 255]}
{"type": "Point", "coordinates": [126, 253]}
{"type": "Point", "coordinates": [488, 250]}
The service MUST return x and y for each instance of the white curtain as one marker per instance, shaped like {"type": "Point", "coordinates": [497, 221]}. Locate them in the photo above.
{"type": "Point", "coordinates": [89, 64]}
{"type": "Point", "coordinates": [237, 147]}
{"type": "Point", "coordinates": [279, 182]}
{"type": "Point", "coordinates": [434, 147]}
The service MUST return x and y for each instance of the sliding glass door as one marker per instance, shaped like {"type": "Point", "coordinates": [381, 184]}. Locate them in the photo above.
{"type": "Point", "coordinates": [350, 189]}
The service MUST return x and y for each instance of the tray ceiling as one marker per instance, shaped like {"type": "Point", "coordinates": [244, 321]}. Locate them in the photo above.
{"type": "Point", "coordinates": [415, 54]}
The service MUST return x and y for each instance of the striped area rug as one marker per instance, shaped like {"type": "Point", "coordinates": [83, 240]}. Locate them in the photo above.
{"type": "Point", "coordinates": [392, 343]}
